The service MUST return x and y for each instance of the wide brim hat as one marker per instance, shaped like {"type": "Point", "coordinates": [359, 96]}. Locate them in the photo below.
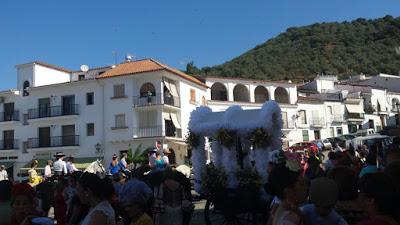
{"type": "Point", "coordinates": [167, 151]}
{"type": "Point", "coordinates": [59, 154]}
{"type": "Point", "coordinates": [154, 150]}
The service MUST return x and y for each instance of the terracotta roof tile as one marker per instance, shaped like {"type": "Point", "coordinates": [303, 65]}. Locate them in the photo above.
{"type": "Point", "coordinates": [143, 66]}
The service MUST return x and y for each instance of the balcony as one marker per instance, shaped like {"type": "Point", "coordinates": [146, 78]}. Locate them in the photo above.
{"type": "Point", "coordinates": [317, 122]}
{"type": "Point", "coordinates": [55, 141]}
{"type": "Point", "coordinates": [53, 111]}
{"type": "Point", "coordinates": [9, 116]}
{"type": "Point", "coordinates": [9, 144]}
{"type": "Point", "coordinates": [287, 125]}
{"type": "Point", "coordinates": [140, 101]}
{"type": "Point", "coordinates": [337, 118]}
{"type": "Point", "coordinates": [156, 131]}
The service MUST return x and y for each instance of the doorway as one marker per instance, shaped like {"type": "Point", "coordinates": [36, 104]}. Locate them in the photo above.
{"type": "Point", "coordinates": [68, 105]}
{"type": "Point", "coordinates": [317, 134]}
{"type": "Point", "coordinates": [68, 135]}
{"type": "Point", "coordinates": [44, 137]}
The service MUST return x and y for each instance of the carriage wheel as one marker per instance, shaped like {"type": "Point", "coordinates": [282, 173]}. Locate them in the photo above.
{"type": "Point", "coordinates": [214, 216]}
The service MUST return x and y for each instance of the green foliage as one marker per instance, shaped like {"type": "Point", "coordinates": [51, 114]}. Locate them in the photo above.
{"type": "Point", "coordinates": [344, 49]}
{"type": "Point", "coordinates": [139, 156]}
{"type": "Point", "coordinates": [191, 68]}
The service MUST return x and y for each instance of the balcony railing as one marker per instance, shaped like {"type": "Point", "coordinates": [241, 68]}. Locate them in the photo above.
{"type": "Point", "coordinates": [9, 116]}
{"type": "Point", "coordinates": [140, 101]}
{"type": "Point", "coordinates": [338, 118]}
{"type": "Point", "coordinates": [355, 116]}
{"type": "Point", "coordinates": [55, 141]}
{"type": "Point", "coordinates": [317, 121]}
{"type": "Point", "coordinates": [287, 124]}
{"type": "Point", "coordinates": [8, 144]}
{"type": "Point", "coordinates": [156, 131]}
{"type": "Point", "coordinates": [53, 111]}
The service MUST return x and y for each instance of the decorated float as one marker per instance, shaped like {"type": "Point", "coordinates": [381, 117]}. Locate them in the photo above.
{"type": "Point", "coordinates": [241, 145]}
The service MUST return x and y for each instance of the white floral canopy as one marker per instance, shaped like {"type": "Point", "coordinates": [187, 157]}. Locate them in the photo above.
{"type": "Point", "coordinates": [206, 123]}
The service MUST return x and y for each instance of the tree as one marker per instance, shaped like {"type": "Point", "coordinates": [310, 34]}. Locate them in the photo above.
{"type": "Point", "coordinates": [192, 69]}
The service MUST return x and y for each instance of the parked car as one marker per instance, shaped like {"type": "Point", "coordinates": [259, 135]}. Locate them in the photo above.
{"type": "Point", "coordinates": [337, 140]}
{"type": "Point", "coordinates": [327, 144]}
{"type": "Point", "coordinates": [306, 145]}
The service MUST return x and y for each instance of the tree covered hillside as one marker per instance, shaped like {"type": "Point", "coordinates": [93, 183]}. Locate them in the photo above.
{"type": "Point", "coordinates": [347, 48]}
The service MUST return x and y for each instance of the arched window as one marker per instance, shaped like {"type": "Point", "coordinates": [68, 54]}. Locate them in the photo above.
{"type": "Point", "coordinates": [218, 92]}
{"type": "Point", "coordinates": [203, 100]}
{"type": "Point", "coordinates": [281, 95]}
{"type": "Point", "coordinates": [240, 93]}
{"type": "Point", "coordinates": [261, 94]}
{"type": "Point", "coordinates": [395, 104]}
{"type": "Point", "coordinates": [25, 88]}
{"type": "Point", "coordinates": [147, 90]}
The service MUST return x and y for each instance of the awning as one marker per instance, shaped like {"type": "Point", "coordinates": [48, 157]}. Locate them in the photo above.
{"type": "Point", "coordinates": [175, 121]}
{"type": "Point", "coordinates": [7, 164]}
{"type": "Point", "coordinates": [354, 108]}
{"type": "Point", "coordinates": [166, 116]}
{"type": "Point", "coordinates": [171, 87]}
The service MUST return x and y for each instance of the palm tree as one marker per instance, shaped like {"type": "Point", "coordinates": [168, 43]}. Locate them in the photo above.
{"type": "Point", "coordinates": [139, 156]}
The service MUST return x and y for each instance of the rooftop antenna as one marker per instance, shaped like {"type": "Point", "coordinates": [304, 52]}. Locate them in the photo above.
{"type": "Point", "coordinates": [115, 54]}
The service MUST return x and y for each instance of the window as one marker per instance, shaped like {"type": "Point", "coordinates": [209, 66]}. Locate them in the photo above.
{"type": "Point", "coordinates": [81, 77]}
{"type": "Point", "coordinates": [303, 117]}
{"type": "Point", "coordinates": [284, 120]}
{"type": "Point", "coordinates": [203, 100]}
{"type": "Point", "coordinates": [25, 119]}
{"type": "Point", "coordinates": [371, 124]}
{"type": "Point", "coordinates": [90, 98]}
{"type": "Point", "coordinates": [339, 131]}
{"type": "Point", "coordinates": [192, 96]}
{"type": "Point", "coordinates": [120, 121]}
{"type": "Point", "coordinates": [332, 131]}
{"type": "Point", "coordinates": [90, 129]}
{"type": "Point", "coordinates": [119, 91]}
{"type": "Point", "coordinates": [305, 135]}
{"type": "Point", "coordinates": [25, 88]}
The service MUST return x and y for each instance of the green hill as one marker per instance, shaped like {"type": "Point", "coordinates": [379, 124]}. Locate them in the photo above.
{"type": "Point", "coordinates": [347, 48]}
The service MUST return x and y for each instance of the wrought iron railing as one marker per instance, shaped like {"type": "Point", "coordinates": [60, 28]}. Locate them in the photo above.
{"type": "Point", "coordinates": [9, 116]}
{"type": "Point", "coordinates": [53, 111]}
{"type": "Point", "coordinates": [55, 141]}
{"type": "Point", "coordinates": [315, 121]}
{"type": "Point", "coordinates": [142, 101]}
{"type": "Point", "coordinates": [8, 144]}
{"type": "Point", "coordinates": [157, 131]}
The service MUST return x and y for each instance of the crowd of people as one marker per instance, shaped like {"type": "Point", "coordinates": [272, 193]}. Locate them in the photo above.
{"type": "Point", "coordinates": [119, 196]}
{"type": "Point", "coordinates": [348, 188]}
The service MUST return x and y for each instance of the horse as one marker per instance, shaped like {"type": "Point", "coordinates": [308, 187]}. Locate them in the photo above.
{"type": "Point", "coordinates": [97, 168]}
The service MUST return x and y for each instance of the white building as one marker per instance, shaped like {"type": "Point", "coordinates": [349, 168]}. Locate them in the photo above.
{"type": "Point", "coordinates": [95, 113]}
{"type": "Point", "coordinates": [108, 110]}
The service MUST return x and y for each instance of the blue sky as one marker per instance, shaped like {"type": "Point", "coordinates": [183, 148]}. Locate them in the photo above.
{"type": "Point", "coordinates": [208, 32]}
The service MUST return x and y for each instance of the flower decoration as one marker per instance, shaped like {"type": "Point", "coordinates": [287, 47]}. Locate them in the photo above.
{"type": "Point", "coordinates": [213, 179]}
{"type": "Point", "coordinates": [192, 139]}
{"type": "Point", "coordinates": [293, 161]}
{"type": "Point", "coordinates": [226, 137]}
{"type": "Point", "coordinates": [260, 138]}
{"type": "Point", "coordinates": [248, 179]}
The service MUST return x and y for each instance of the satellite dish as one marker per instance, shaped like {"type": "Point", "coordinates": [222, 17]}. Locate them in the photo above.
{"type": "Point", "coordinates": [84, 68]}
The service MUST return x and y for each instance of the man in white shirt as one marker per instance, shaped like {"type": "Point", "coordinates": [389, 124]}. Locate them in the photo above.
{"type": "Point", "coordinates": [60, 167]}
{"type": "Point", "coordinates": [3, 173]}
